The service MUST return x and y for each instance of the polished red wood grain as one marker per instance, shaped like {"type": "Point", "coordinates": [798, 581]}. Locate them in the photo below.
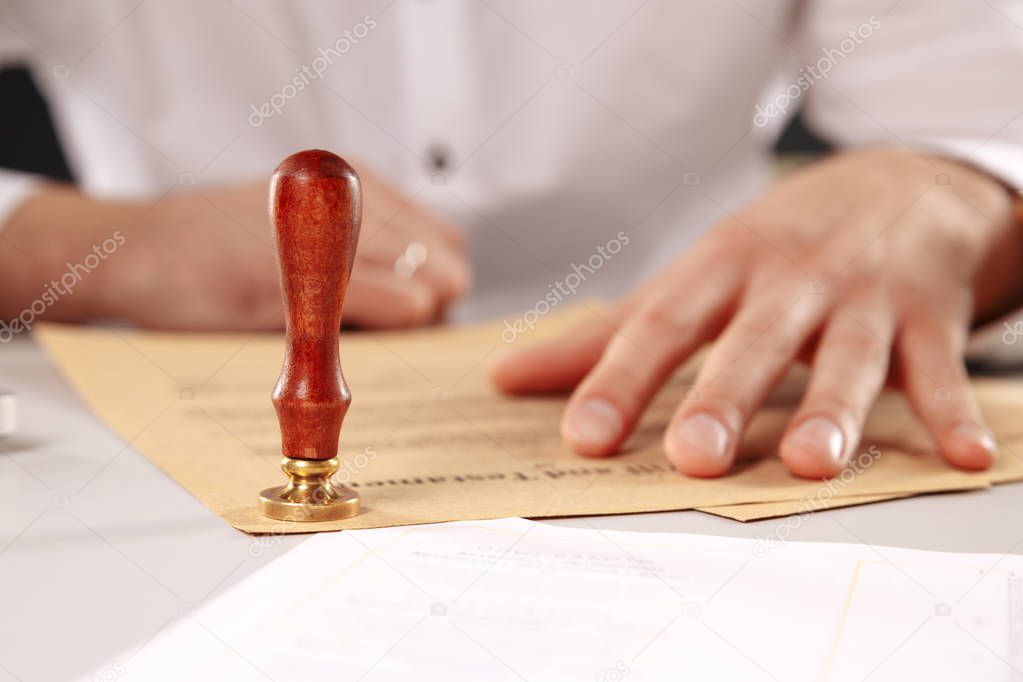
{"type": "Point", "coordinates": [316, 210]}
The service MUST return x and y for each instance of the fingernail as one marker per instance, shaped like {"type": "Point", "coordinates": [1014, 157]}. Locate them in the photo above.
{"type": "Point", "coordinates": [819, 435]}
{"type": "Point", "coordinates": [974, 433]}
{"type": "Point", "coordinates": [702, 436]}
{"type": "Point", "coordinates": [594, 423]}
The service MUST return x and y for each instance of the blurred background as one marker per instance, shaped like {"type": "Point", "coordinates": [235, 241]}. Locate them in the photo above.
{"type": "Point", "coordinates": [28, 141]}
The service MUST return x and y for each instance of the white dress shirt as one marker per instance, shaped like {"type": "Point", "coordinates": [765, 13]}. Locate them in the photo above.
{"type": "Point", "coordinates": [546, 129]}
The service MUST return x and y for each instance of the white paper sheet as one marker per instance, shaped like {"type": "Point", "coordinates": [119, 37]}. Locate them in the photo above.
{"type": "Point", "coordinates": [517, 600]}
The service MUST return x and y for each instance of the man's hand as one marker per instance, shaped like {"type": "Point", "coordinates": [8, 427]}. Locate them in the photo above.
{"type": "Point", "coordinates": [871, 264]}
{"type": "Point", "coordinates": [204, 259]}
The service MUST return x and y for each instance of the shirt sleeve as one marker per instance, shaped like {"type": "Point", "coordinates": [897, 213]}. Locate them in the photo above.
{"type": "Point", "coordinates": [939, 77]}
{"type": "Point", "coordinates": [15, 188]}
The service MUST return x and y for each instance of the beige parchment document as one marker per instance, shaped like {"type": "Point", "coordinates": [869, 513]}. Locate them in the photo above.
{"type": "Point", "coordinates": [427, 439]}
{"type": "Point", "coordinates": [757, 511]}
{"type": "Point", "coordinates": [1001, 400]}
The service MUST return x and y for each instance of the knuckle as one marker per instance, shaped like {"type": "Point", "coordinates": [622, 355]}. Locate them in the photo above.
{"type": "Point", "coordinates": [749, 328]}
{"type": "Point", "coordinates": [731, 409]}
{"type": "Point", "coordinates": [665, 321]}
{"type": "Point", "coordinates": [445, 232]}
{"type": "Point", "coordinates": [769, 343]}
{"type": "Point", "coordinates": [457, 238]}
{"type": "Point", "coordinates": [459, 279]}
{"type": "Point", "coordinates": [839, 405]}
{"type": "Point", "coordinates": [617, 384]}
{"type": "Point", "coordinates": [418, 306]}
{"type": "Point", "coordinates": [446, 285]}
{"type": "Point", "coordinates": [931, 332]}
{"type": "Point", "coordinates": [945, 409]}
{"type": "Point", "coordinates": [865, 348]}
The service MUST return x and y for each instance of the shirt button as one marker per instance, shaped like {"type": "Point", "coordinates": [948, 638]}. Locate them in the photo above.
{"type": "Point", "coordinates": [439, 157]}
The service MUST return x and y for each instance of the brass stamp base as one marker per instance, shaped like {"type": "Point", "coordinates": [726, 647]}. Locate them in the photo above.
{"type": "Point", "coordinates": [310, 495]}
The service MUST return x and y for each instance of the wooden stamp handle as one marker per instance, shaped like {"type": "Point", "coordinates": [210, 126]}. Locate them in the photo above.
{"type": "Point", "coordinates": [316, 210]}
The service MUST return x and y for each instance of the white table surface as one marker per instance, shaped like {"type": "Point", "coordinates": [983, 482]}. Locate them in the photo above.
{"type": "Point", "coordinates": [99, 549]}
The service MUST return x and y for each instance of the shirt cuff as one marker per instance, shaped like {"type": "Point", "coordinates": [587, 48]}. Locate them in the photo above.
{"type": "Point", "coordinates": [15, 188]}
{"type": "Point", "coordinates": [1003, 160]}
